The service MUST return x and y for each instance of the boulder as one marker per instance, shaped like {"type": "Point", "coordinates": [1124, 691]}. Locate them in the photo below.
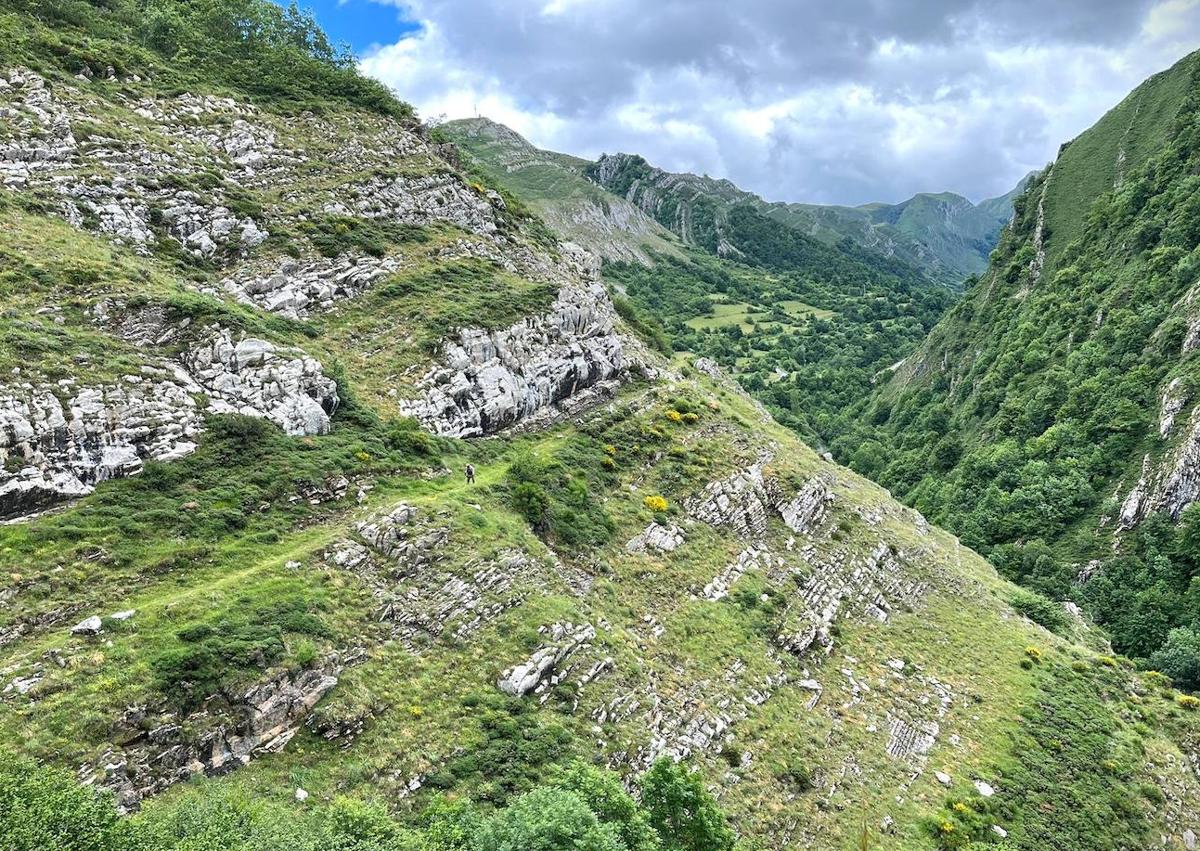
{"type": "Point", "coordinates": [88, 626]}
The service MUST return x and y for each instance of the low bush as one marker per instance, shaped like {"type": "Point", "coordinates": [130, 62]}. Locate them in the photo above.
{"type": "Point", "coordinates": [212, 654]}
{"type": "Point", "coordinates": [1041, 611]}
{"type": "Point", "coordinates": [557, 497]}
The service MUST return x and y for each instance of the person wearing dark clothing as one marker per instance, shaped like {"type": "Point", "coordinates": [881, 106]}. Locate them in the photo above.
{"type": "Point", "coordinates": [470, 474]}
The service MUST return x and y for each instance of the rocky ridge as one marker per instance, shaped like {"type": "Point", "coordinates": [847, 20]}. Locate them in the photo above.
{"type": "Point", "coordinates": [489, 380]}
{"type": "Point", "coordinates": [59, 441]}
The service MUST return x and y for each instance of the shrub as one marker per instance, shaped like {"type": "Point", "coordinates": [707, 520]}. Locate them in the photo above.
{"type": "Point", "coordinates": [210, 654]}
{"type": "Point", "coordinates": [43, 808]}
{"type": "Point", "coordinates": [682, 810]}
{"type": "Point", "coordinates": [407, 436]}
{"type": "Point", "coordinates": [655, 503]}
{"type": "Point", "coordinates": [797, 775]}
{"type": "Point", "coordinates": [1188, 702]}
{"type": "Point", "coordinates": [1041, 611]}
{"type": "Point", "coordinates": [1179, 658]}
{"type": "Point", "coordinates": [544, 818]}
{"type": "Point", "coordinates": [556, 496]}
{"type": "Point", "coordinates": [517, 751]}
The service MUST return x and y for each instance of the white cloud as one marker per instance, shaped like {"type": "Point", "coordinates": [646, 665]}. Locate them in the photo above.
{"type": "Point", "coordinates": [804, 101]}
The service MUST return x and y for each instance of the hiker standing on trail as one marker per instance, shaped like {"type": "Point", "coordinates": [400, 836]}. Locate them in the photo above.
{"type": "Point", "coordinates": [470, 474]}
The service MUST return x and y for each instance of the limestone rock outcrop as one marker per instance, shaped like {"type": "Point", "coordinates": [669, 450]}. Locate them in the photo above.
{"type": "Point", "coordinates": [164, 751]}
{"type": "Point", "coordinates": [538, 669]}
{"type": "Point", "coordinates": [297, 289]}
{"type": "Point", "coordinates": [58, 441]}
{"type": "Point", "coordinates": [258, 379]}
{"type": "Point", "coordinates": [490, 380]}
{"type": "Point", "coordinates": [1170, 486]}
{"type": "Point", "coordinates": [664, 539]}
{"type": "Point", "coordinates": [742, 501]}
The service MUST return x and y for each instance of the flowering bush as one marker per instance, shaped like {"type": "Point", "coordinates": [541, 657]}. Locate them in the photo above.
{"type": "Point", "coordinates": [655, 503]}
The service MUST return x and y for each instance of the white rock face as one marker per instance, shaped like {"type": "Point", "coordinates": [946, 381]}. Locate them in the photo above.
{"type": "Point", "coordinates": [58, 441]}
{"type": "Point", "coordinates": [389, 534]}
{"type": "Point", "coordinates": [490, 380]}
{"type": "Point", "coordinates": [1191, 339]}
{"type": "Point", "coordinates": [420, 201]}
{"type": "Point", "coordinates": [808, 508]}
{"type": "Point", "coordinates": [298, 289]}
{"type": "Point", "coordinates": [255, 378]}
{"type": "Point", "coordinates": [665, 539]}
{"type": "Point", "coordinates": [1172, 486]}
{"type": "Point", "coordinates": [526, 677]}
{"type": "Point", "coordinates": [1182, 485]}
{"type": "Point", "coordinates": [741, 501]}
{"type": "Point", "coordinates": [87, 626]}
{"type": "Point", "coordinates": [1173, 400]}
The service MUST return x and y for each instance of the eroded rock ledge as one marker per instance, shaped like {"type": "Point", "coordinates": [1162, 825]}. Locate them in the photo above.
{"type": "Point", "coordinates": [165, 750]}
{"type": "Point", "coordinates": [57, 441]}
{"type": "Point", "coordinates": [490, 380]}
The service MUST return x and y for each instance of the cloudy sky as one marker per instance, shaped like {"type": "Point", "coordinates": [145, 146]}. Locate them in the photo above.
{"type": "Point", "coordinates": [832, 101]}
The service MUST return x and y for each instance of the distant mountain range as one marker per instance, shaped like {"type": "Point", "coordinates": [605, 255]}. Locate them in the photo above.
{"type": "Point", "coordinates": [944, 236]}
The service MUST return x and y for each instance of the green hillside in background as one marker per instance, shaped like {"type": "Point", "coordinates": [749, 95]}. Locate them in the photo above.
{"type": "Point", "coordinates": [1041, 400]}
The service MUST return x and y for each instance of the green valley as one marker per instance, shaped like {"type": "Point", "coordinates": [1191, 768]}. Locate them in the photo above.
{"type": "Point", "coordinates": [372, 486]}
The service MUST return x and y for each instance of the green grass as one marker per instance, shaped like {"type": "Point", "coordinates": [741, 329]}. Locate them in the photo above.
{"type": "Point", "coordinates": [1117, 145]}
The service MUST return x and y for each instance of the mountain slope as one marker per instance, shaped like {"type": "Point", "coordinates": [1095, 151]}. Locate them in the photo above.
{"type": "Point", "coordinates": [1053, 408]}
{"type": "Point", "coordinates": [945, 236]}
{"type": "Point", "coordinates": [249, 339]}
{"type": "Point", "coordinates": [553, 185]}
{"type": "Point", "coordinates": [804, 325]}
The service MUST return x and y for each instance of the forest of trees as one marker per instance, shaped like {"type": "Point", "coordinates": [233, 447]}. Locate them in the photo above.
{"type": "Point", "coordinates": [1029, 415]}
{"type": "Point", "coordinates": [807, 364]}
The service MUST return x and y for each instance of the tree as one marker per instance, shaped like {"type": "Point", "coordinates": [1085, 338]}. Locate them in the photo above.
{"type": "Point", "coordinates": [1179, 658]}
{"type": "Point", "coordinates": [682, 811]}
{"type": "Point", "coordinates": [607, 798]}
{"type": "Point", "coordinates": [546, 820]}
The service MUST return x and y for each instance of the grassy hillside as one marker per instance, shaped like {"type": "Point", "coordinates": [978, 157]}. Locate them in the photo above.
{"type": "Point", "coordinates": [654, 619]}
{"type": "Point", "coordinates": [1065, 376]}
{"type": "Point", "coordinates": [1112, 151]}
{"type": "Point", "coordinates": [554, 186]}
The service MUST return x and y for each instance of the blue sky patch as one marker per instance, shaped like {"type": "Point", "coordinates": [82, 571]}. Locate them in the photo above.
{"type": "Point", "coordinates": [360, 23]}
